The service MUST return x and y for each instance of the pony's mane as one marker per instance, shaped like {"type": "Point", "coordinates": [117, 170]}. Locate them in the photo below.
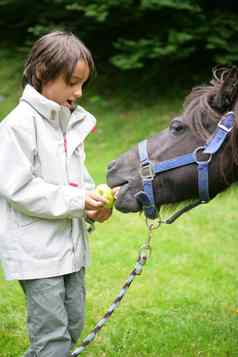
{"type": "Point", "coordinates": [197, 105]}
{"type": "Point", "coordinates": [199, 111]}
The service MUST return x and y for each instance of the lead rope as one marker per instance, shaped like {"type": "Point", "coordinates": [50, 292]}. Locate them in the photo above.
{"type": "Point", "coordinates": [144, 254]}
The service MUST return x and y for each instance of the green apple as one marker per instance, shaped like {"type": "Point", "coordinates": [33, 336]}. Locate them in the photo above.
{"type": "Point", "coordinates": [106, 192]}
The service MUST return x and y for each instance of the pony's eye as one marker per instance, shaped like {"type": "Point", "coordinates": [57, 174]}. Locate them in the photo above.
{"type": "Point", "coordinates": [177, 127]}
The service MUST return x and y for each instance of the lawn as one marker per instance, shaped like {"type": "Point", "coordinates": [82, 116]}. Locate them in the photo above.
{"type": "Point", "coordinates": [185, 302]}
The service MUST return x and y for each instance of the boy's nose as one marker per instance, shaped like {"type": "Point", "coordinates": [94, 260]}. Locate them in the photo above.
{"type": "Point", "coordinates": [78, 93]}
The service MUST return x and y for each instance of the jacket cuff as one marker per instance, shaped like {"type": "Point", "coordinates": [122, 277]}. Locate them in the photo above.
{"type": "Point", "coordinates": [77, 203]}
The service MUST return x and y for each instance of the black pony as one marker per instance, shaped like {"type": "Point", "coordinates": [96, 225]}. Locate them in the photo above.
{"type": "Point", "coordinates": [204, 108]}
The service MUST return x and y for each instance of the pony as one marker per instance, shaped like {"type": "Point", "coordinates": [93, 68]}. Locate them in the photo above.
{"type": "Point", "coordinates": [148, 174]}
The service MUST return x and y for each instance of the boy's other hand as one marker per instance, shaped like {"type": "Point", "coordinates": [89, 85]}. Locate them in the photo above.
{"type": "Point", "coordinates": [99, 215]}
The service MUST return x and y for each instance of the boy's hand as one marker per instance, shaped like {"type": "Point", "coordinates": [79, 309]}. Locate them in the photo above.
{"type": "Point", "coordinates": [99, 215]}
{"type": "Point", "coordinates": [93, 201]}
{"type": "Point", "coordinates": [94, 205]}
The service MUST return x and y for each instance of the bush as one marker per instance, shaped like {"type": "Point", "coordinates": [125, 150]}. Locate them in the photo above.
{"type": "Point", "coordinates": [129, 34]}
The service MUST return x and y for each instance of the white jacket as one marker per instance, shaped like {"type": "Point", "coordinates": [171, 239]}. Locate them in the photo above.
{"type": "Point", "coordinates": [42, 188]}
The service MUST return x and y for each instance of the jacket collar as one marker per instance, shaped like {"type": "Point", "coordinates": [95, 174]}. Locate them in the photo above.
{"type": "Point", "coordinates": [78, 129]}
{"type": "Point", "coordinates": [81, 121]}
{"type": "Point", "coordinates": [45, 107]}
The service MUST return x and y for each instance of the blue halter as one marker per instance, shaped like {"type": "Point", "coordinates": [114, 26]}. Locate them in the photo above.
{"type": "Point", "coordinates": [148, 169]}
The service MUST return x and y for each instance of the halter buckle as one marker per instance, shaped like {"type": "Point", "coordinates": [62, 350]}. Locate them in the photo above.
{"type": "Point", "coordinates": [228, 120]}
{"type": "Point", "coordinates": [147, 171]}
{"type": "Point", "coordinates": [223, 127]}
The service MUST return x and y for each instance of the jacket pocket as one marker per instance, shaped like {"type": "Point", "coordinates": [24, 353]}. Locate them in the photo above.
{"type": "Point", "coordinates": [46, 241]}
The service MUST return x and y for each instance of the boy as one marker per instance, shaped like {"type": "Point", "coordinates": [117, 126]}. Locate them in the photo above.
{"type": "Point", "coordinates": [46, 193]}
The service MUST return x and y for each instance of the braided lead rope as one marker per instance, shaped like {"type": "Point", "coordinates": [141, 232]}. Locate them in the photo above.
{"type": "Point", "coordinates": [144, 254]}
{"type": "Point", "coordinates": [136, 271]}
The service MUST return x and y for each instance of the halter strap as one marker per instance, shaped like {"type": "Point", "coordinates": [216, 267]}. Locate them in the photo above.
{"type": "Point", "coordinates": [149, 170]}
{"type": "Point", "coordinates": [146, 197]}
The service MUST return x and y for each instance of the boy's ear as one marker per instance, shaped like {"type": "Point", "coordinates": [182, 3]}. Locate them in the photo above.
{"type": "Point", "coordinates": [226, 97]}
{"type": "Point", "coordinates": [39, 70]}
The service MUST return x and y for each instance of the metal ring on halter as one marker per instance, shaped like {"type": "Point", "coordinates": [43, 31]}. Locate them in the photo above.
{"type": "Point", "coordinates": [153, 225]}
{"type": "Point", "coordinates": [199, 148]}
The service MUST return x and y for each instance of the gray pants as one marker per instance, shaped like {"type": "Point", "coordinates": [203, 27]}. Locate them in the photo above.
{"type": "Point", "coordinates": [55, 308]}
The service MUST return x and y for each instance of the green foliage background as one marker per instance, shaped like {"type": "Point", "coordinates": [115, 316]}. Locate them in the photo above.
{"type": "Point", "coordinates": [131, 34]}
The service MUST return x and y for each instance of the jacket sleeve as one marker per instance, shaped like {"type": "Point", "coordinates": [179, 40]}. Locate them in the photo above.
{"type": "Point", "coordinates": [88, 181]}
{"type": "Point", "coordinates": [28, 193]}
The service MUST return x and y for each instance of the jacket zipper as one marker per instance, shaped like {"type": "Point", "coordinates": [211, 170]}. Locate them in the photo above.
{"type": "Point", "coordinates": [67, 178]}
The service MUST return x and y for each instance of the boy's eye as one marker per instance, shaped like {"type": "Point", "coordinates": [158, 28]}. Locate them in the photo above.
{"type": "Point", "coordinates": [75, 82]}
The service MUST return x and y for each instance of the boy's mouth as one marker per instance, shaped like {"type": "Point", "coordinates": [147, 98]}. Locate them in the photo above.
{"type": "Point", "coordinates": [70, 104]}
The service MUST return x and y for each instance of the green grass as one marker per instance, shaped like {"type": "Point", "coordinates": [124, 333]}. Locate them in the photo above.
{"type": "Point", "coordinates": [185, 302]}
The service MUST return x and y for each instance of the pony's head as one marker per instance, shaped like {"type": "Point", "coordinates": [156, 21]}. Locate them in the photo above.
{"type": "Point", "coordinates": [203, 109]}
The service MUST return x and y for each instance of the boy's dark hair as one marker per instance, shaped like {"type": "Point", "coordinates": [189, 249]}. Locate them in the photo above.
{"type": "Point", "coordinates": [53, 54]}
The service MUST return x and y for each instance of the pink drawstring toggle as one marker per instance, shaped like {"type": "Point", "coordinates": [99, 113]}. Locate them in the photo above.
{"type": "Point", "coordinates": [74, 184]}
{"type": "Point", "coordinates": [93, 129]}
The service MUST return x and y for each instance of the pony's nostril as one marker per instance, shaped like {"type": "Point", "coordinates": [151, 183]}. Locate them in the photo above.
{"type": "Point", "coordinates": [111, 165]}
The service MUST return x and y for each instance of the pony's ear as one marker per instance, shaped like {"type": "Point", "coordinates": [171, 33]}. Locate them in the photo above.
{"type": "Point", "coordinates": [227, 79]}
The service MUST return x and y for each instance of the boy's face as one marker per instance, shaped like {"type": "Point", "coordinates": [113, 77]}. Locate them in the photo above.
{"type": "Point", "coordinates": [67, 94]}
